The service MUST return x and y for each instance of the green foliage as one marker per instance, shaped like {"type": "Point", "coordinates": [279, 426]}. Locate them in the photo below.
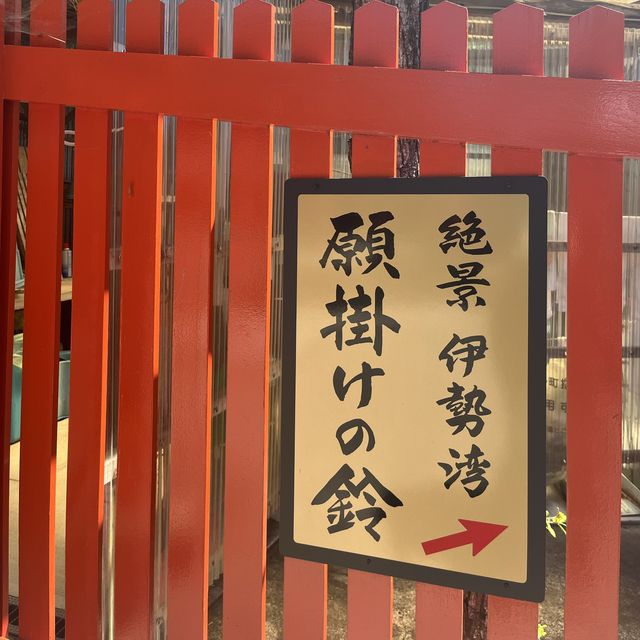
{"type": "Point", "coordinates": [558, 521]}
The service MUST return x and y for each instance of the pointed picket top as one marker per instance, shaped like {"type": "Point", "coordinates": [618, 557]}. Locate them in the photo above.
{"type": "Point", "coordinates": [253, 30]}
{"type": "Point", "coordinates": [443, 39]}
{"type": "Point", "coordinates": [376, 28]}
{"type": "Point", "coordinates": [312, 24]}
{"type": "Point", "coordinates": [596, 44]}
{"type": "Point", "coordinates": [95, 25]}
{"type": "Point", "coordinates": [198, 28]}
{"type": "Point", "coordinates": [145, 26]}
{"type": "Point", "coordinates": [518, 40]}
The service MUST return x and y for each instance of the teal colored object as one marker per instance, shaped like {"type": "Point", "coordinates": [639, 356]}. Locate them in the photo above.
{"type": "Point", "coordinates": [16, 397]}
{"type": "Point", "coordinates": [16, 390]}
{"type": "Point", "coordinates": [63, 384]}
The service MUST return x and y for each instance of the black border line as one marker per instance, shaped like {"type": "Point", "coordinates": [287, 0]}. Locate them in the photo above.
{"type": "Point", "coordinates": [536, 188]}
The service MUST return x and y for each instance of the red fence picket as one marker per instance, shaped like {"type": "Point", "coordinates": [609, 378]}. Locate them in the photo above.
{"type": "Point", "coordinates": [139, 346]}
{"type": "Point", "coordinates": [594, 397]}
{"type": "Point", "coordinates": [190, 458]}
{"type": "Point", "coordinates": [374, 100]}
{"type": "Point", "coordinates": [443, 47]}
{"type": "Point", "coordinates": [38, 434]}
{"type": "Point", "coordinates": [8, 223]}
{"type": "Point", "coordinates": [439, 610]}
{"type": "Point", "coordinates": [248, 351]}
{"type": "Point", "coordinates": [375, 43]}
{"type": "Point", "coordinates": [89, 349]}
{"type": "Point", "coordinates": [518, 48]}
{"type": "Point", "coordinates": [311, 153]}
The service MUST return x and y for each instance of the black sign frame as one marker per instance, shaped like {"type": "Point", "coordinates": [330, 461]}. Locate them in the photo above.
{"type": "Point", "coordinates": [536, 188]}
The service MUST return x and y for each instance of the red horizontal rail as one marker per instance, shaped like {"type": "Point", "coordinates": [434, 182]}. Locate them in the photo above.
{"type": "Point", "coordinates": [593, 117]}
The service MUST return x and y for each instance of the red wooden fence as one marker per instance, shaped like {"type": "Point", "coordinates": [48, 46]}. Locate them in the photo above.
{"type": "Point", "coordinates": [191, 347]}
{"type": "Point", "coordinates": [86, 447]}
{"type": "Point", "coordinates": [518, 48]}
{"type": "Point", "coordinates": [593, 115]}
{"type": "Point", "coordinates": [305, 583]}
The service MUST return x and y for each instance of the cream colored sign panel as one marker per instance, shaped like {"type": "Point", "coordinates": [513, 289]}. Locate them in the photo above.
{"type": "Point", "coordinates": [410, 398]}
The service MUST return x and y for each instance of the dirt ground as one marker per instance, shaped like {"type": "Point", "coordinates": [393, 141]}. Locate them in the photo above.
{"type": "Point", "coordinates": [551, 612]}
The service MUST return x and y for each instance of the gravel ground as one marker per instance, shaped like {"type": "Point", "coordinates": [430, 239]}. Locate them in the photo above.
{"type": "Point", "coordinates": [551, 612]}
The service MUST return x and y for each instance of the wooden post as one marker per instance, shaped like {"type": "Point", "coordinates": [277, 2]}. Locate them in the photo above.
{"type": "Point", "coordinates": [305, 583]}
{"type": "Point", "coordinates": [190, 455]}
{"type": "Point", "coordinates": [89, 348]}
{"type": "Point", "coordinates": [594, 347]}
{"type": "Point", "coordinates": [245, 517]}
{"type": "Point", "coordinates": [139, 346]}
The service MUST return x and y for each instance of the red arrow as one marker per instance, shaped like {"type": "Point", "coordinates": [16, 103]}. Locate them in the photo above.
{"type": "Point", "coordinates": [478, 534]}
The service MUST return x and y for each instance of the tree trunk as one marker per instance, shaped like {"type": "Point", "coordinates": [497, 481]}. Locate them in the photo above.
{"type": "Point", "coordinates": [475, 616]}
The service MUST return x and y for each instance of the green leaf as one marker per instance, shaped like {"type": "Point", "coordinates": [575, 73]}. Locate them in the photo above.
{"type": "Point", "coordinates": [559, 520]}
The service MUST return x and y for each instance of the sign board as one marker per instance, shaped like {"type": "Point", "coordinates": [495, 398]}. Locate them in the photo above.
{"type": "Point", "coordinates": [414, 379]}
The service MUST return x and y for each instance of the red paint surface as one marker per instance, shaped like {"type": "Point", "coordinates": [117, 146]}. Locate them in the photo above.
{"type": "Point", "coordinates": [139, 335]}
{"type": "Point", "coordinates": [439, 610]}
{"type": "Point", "coordinates": [89, 349]}
{"type": "Point", "coordinates": [369, 606]}
{"type": "Point", "coordinates": [443, 47]}
{"type": "Point", "coordinates": [370, 596]}
{"type": "Point", "coordinates": [189, 490]}
{"type": "Point", "coordinates": [36, 558]}
{"type": "Point", "coordinates": [312, 24]}
{"type": "Point", "coordinates": [145, 27]}
{"type": "Point", "coordinates": [594, 374]}
{"type": "Point", "coordinates": [585, 116]}
{"type": "Point", "coordinates": [518, 40]}
{"type": "Point", "coordinates": [438, 613]}
{"type": "Point", "coordinates": [305, 600]}
{"type": "Point", "coordinates": [512, 620]}
{"type": "Point", "coordinates": [8, 216]}
{"type": "Point", "coordinates": [243, 610]}
{"type": "Point", "coordinates": [305, 583]}
{"type": "Point", "coordinates": [40, 374]}
{"type": "Point", "coordinates": [48, 26]}
{"type": "Point", "coordinates": [7, 287]}
{"type": "Point", "coordinates": [443, 38]}
{"type": "Point", "coordinates": [135, 499]}
{"type": "Point", "coordinates": [518, 36]}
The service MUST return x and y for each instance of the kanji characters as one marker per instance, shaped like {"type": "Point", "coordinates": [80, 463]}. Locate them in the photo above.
{"type": "Point", "coordinates": [474, 466]}
{"type": "Point", "coordinates": [359, 320]}
{"type": "Point", "coordinates": [467, 409]}
{"type": "Point", "coordinates": [342, 511]}
{"type": "Point", "coordinates": [377, 247]}
{"type": "Point", "coordinates": [466, 405]}
{"type": "Point", "coordinates": [357, 429]}
{"type": "Point", "coordinates": [464, 233]}
{"type": "Point", "coordinates": [467, 350]}
{"type": "Point", "coordinates": [465, 284]}
{"type": "Point", "coordinates": [341, 387]}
